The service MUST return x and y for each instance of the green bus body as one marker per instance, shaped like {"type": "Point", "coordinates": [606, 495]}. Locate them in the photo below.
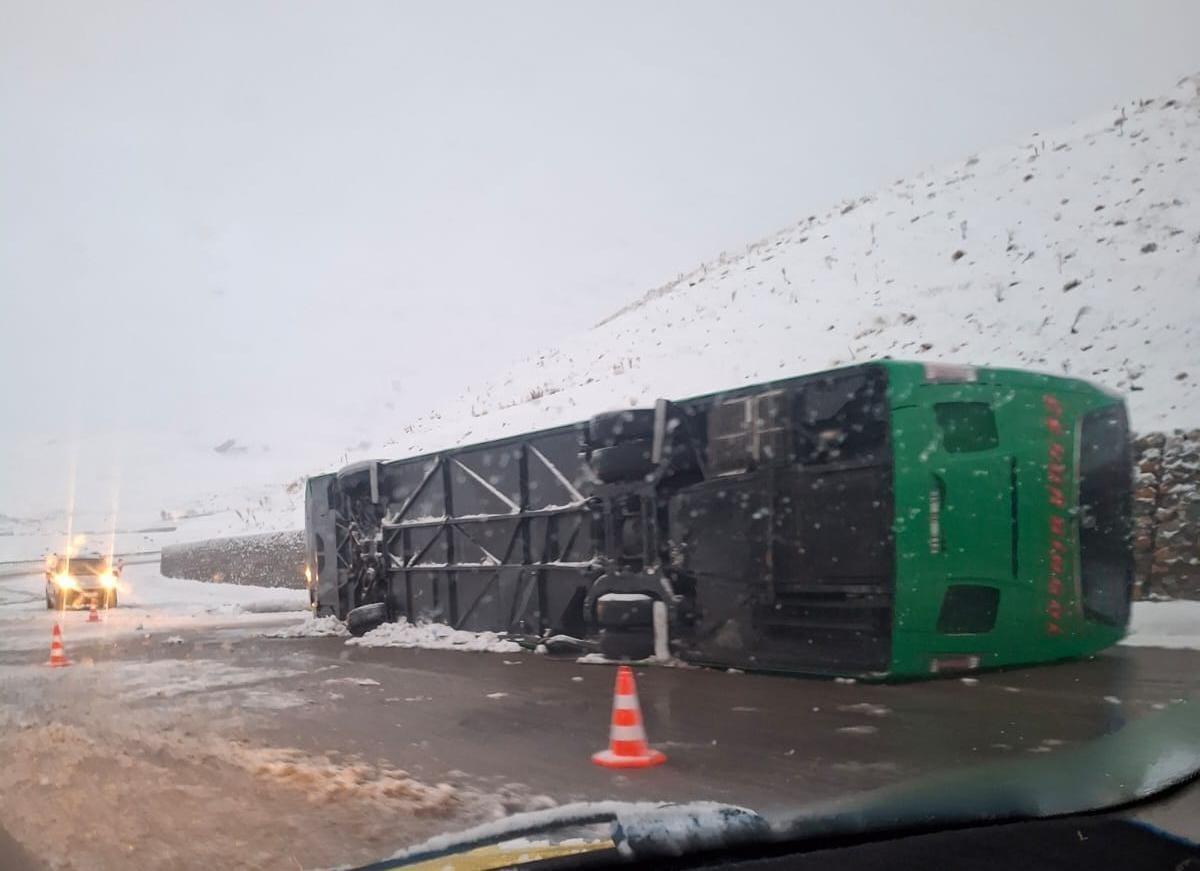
{"type": "Point", "coordinates": [1000, 511]}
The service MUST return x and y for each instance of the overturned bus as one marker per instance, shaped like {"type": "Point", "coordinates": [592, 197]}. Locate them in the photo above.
{"type": "Point", "coordinates": [889, 520]}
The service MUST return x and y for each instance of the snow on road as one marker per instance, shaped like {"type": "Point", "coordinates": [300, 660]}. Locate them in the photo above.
{"type": "Point", "coordinates": [149, 604]}
{"type": "Point", "coordinates": [314, 627]}
{"type": "Point", "coordinates": [434, 636]}
{"type": "Point", "coordinates": [196, 792]}
{"type": "Point", "coordinates": [179, 727]}
{"type": "Point", "coordinates": [1165, 624]}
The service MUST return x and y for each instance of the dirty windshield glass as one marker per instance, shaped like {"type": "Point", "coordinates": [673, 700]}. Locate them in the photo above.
{"type": "Point", "coordinates": [587, 411]}
{"type": "Point", "coordinates": [79, 564]}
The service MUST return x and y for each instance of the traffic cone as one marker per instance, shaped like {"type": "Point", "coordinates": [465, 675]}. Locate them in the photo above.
{"type": "Point", "coordinates": [93, 614]}
{"type": "Point", "coordinates": [627, 746]}
{"type": "Point", "coordinates": [58, 656]}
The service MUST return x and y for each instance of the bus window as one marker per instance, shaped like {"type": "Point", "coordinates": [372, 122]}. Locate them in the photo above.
{"type": "Point", "coordinates": [966, 426]}
{"type": "Point", "coordinates": [842, 419]}
{"type": "Point", "coordinates": [749, 431]}
{"type": "Point", "coordinates": [968, 609]}
{"type": "Point", "coordinates": [1105, 504]}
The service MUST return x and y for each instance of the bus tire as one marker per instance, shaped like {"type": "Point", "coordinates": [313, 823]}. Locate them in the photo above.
{"type": "Point", "coordinates": [364, 618]}
{"type": "Point", "coordinates": [615, 427]}
{"type": "Point", "coordinates": [625, 644]}
{"type": "Point", "coordinates": [625, 611]}
{"type": "Point", "coordinates": [628, 461]}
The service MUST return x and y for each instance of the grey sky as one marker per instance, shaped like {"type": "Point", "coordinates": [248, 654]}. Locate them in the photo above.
{"type": "Point", "coordinates": [223, 210]}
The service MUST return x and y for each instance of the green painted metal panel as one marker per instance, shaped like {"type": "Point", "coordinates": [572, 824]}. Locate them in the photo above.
{"type": "Point", "coordinates": [998, 512]}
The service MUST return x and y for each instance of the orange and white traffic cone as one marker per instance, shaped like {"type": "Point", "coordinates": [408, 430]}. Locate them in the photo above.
{"type": "Point", "coordinates": [627, 746]}
{"type": "Point", "coordinates": [58, 656]}
{"type": "Point", "coordinates": [93, 614]}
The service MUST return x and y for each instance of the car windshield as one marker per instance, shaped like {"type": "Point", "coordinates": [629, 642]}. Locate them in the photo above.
{"type": "Point", "coordinates": [485, 409]}
{"type": "Point", "coordinates": [93, 565]}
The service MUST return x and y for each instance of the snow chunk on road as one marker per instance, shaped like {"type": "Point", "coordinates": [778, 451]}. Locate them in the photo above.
{"type": "Point", "coordinates": [326, 780]}
{"type": "Point", "coordinates": [434, 636]}
{"type": "Point", "coordinates": [858, 730]}
{"type": "Point", "coordinates": [868, 708]}
{"type": "Point", "coordinates": [357, 681]}
{"type": "Point", "coordinates": [1165, 624]}
{"type": "Point", "coordinates": [314, 627]}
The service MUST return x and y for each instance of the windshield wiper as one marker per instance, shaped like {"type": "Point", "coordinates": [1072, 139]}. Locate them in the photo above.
{"type": "Point", "coordinates": [638, 830]}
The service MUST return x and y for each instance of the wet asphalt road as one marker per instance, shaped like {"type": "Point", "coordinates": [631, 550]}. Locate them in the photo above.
{"type": "Point", "coordinates": [526, 725]}
{"type": "Point", "coordinates": [763, 741]}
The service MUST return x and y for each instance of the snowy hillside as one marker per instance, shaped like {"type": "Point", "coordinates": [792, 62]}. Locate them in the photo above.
{"type": "Point", "coordinates": [1076, 251]}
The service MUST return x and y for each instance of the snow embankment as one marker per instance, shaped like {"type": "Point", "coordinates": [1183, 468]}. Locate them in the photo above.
{"type": "Point", "coordinates": [144, 586]}
{"type": "Point", "coordinates": [1165, 624]}
{"type": "Point", "coordinates": [1075, 251]}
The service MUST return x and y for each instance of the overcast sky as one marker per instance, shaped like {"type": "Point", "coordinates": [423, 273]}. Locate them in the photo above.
{"type": "Point", "coordinates": [223, 216]}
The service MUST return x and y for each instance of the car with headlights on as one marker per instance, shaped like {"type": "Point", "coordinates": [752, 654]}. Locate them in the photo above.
{"type": "Point", "coordinates": [79, 581]}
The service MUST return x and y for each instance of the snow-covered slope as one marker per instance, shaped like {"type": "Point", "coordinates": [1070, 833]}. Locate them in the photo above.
{"type": "Point", "coordinates": [1076, 251]}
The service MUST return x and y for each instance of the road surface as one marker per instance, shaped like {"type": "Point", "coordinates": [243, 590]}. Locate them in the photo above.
{"type": "Point", "coordinates": [193, 739]}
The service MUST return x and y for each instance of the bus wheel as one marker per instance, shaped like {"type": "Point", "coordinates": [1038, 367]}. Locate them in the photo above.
{"type": "Point", "coordinates": [627, 643]}
{"type": "Point", "coordinates": [364, 618]}
{"type": "Point", "coordinates": [614, 427]}
{"type": "Point", "coordinates": [625, 611]}
{"type": "Point", "coordinates": [628, 461]}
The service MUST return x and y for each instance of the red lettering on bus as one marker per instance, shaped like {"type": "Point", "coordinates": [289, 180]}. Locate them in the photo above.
{"type": "Point", "coordinates": [1056, 497]}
